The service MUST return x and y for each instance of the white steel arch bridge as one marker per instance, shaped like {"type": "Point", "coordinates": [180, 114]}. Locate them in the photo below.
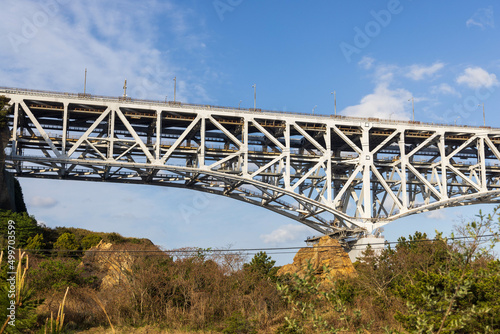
{"type": "Point", "coordinates": [341, 176]}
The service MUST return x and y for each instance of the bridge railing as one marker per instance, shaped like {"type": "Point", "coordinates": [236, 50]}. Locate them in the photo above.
{"type": "Point", "coordinates": [218, 108]}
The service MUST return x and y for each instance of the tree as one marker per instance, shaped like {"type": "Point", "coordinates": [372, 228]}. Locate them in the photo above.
{"type": "Point", "coordinates": [35, 243]}
{"type": "Point", "coordinates": [66, 241]}
{"type": "Point", "coordinates": [25, 227]}
{"type": "Point", "coordinates": [262, 265]}
{"type": "Point", "coordinates": [90, 241]}
{"type": "Point", "coordinates": [459, 295]}
{"type": "Point", "coordinates": [19, 197]}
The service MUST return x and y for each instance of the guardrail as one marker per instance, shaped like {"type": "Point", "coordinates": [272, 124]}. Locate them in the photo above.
{"type": "Point", "coordinates": [10, 90]}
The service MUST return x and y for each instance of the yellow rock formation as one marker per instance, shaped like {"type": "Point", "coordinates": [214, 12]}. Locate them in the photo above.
{"type": "Point", "coordinates": [327, 253]}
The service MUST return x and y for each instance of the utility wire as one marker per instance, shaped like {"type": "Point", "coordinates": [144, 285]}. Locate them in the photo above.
{"type": "Point", "coordinates": [201, 251]}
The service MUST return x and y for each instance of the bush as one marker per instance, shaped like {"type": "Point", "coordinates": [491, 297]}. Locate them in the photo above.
{"type": "Point", "coordinates": [35, 243]}
{"type": "Point", "coordinates": [90, 240]}
{"type": "Point", "coordinates": [26, 227]}
{"type": "Point", "coordinates": [115, 238]}
{"type": "Point", "coordinates": [238, 324]}
{"type": "Point", "coordinates": [66, 241]}
{"type": "Point", "coordinates": [57, 274]}
{"type": "Point", "coordinates": [262, 265]}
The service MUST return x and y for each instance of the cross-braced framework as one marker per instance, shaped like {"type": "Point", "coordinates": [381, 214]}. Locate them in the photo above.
{"type": "Point", "coordinates": [338, 175]}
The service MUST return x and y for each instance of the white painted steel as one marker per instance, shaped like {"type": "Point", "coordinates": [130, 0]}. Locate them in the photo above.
{"type": "Point", "coordinates": [338, 175]}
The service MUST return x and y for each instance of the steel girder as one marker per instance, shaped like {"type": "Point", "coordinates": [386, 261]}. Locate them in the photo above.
{"type": "Point", "coordinates": [338, 175]}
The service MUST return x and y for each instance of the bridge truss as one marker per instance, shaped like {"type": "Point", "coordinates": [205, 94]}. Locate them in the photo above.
{"type": "Point", "coordinates": [341, 176]}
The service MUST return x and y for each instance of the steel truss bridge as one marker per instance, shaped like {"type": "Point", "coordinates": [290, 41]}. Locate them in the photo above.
{"type": "Point", "coordinates": [341, 176]}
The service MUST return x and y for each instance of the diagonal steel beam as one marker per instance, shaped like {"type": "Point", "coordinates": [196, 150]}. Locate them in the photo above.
{"type": "Point", "coordinates": [225, 131]}
{"type": "Point", "coordinates": [88, 132]}
{"type": "Point", "coordinates": [179, 140]}
{"type": "Point", "coordinates": [44, 134]}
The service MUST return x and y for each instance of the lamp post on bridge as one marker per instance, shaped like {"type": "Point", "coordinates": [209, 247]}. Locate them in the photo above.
{"type": "Point", "coordinates": [314, 109]}
{"type": "Point", "coordinates": [125, 89]}
{"type": "Point", "coordinates": [254, 96]}
{"type": "Point", "coordinates": [85, 84]}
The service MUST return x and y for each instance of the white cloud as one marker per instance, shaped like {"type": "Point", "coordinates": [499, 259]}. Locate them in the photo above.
{"type": "Point", "coordinates": [286, 233]}
{"type": "Point", "coordinates": [436, 214]}
{"type": "Point", "coordinates": [383, 103]}
{"type": "Point", "coordinates": [445, 89]}
{"type": "Point", "coordinates": [49, 47]}
{"type": "Point", "coordinates": [366, 62]}
{"type": "Point", "coordinates": [42, 202]}
{"type": "Point", "coordinates": [482, 18]}
{"type": "Point", "coordinates": [419, 72]}
{"type": "Point", "coordinates": [476, 77]}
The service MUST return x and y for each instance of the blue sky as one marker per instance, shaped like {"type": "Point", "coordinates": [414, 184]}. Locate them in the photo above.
{"type": "Point", "coordinates": [376, 55]}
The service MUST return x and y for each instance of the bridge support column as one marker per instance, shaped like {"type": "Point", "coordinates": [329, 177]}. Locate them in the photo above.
{"type": "Point", "coordinates": [356, 249]}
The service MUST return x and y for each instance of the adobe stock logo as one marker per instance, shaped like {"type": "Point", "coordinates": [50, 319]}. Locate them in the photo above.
{"type": "Point", "coordinates": [223, 6]}
{"type": "Point", "coordinates": [31, 26]}
{"type": "Point", "coordinates": [470, 105]}
{"type": "Point", "coordinates": [363, 37]}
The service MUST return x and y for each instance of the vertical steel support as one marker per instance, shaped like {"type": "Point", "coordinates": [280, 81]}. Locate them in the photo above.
{"type": "Point", "coordinates": [158, 135]}
{"type": "Point", "coordinates": [111, 134]}
{"type": "Point", "coordinates": [288, 166]}
{"type": "Point", "coordinates": [328, 153]}
{"type": "Point", "coordinates": [367, 161]}
{"type": "Point", "coordinates": [444, 163]}
{"type": "Point", "coordinates": [14, 129]}
{"type": "Point", "coordinates": [244, 147]}
{"type": "Point", "coordinates": [482, 161]}
{"type": "Point", "coordinates": [404, 161]}
{"type": "Point", "coordinates": [65, 128]}
{"type": "Point", "coordinates": [201, 152]}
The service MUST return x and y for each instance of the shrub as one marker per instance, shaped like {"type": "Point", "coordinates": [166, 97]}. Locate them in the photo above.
{"type": "Point", "coordinates": [66, 241]}
{"type": "Point", "coordinates": [238, 324]}
{"type": "Point", "coordinates": [26, 226]}
{"type": "Point", "coordinates": [57, 274]}
{"type": "Point", "coordinates": [90, 241]}
{"type": "Point", "coordinates": [35, 243]}
{"type": "Point", "coordinates": [115, 238]}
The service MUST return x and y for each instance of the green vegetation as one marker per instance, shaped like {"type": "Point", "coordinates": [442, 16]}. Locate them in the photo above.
{"type": "Point", "coordinates": [67, 241]}
{"type": "Point", "coordinates": [262, 265]}
{"type": "Point", "coordinates": [26, 227]}
{"type": "Point", "coordinates": [90, 240]}
{"type": "Point", "coordinates": [443, 285]}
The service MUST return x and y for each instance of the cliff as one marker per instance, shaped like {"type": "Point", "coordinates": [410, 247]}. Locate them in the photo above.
{"type": "Point", "coordinates": [326, 254]}
{"type": "Point", "coordinates": [113, 263]}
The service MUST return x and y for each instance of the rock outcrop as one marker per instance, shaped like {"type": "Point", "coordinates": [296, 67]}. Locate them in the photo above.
{"type": "Point", "coordinates": [113, 264]}
{"type": "Point", "coordinates": [326, 254]}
